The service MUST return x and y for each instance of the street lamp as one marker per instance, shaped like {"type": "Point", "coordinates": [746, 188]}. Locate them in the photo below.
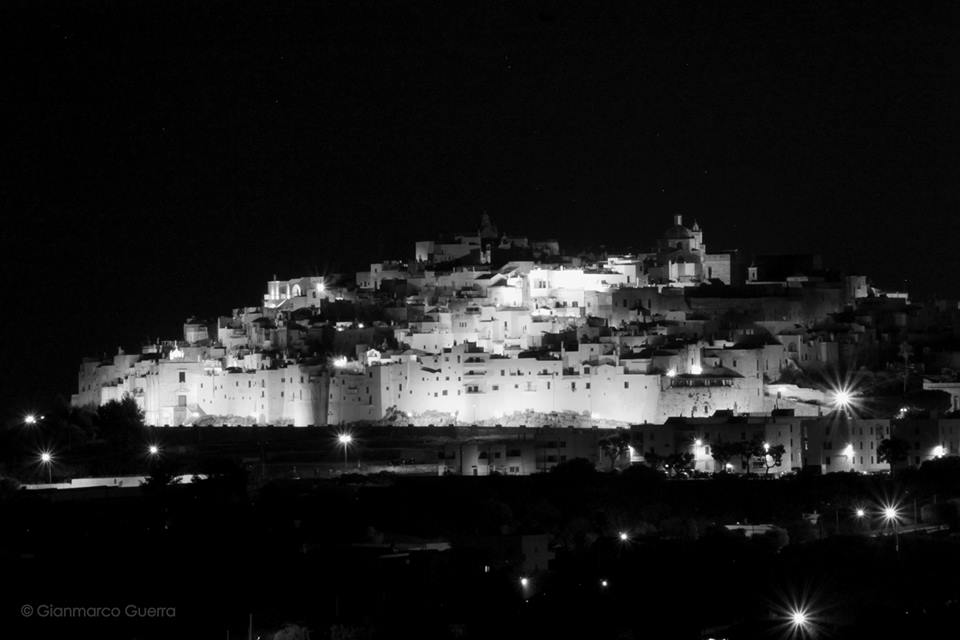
{"type": "Point", "coordinates": [345, 439]}
{"type": "Point", "coordinates": [153, 450]}
{"type": "Point", "coordinates": [604, 584]}
{"type": "Point", "coordinates": [860, 512]}
{"type": "Point", "coordinates": [799, 619]}
{"type": "Point", "coordinates": [624, 536]}
{"type": "Point", "coordinates": [29, 419]}
{"type": "Point", "coordinates": [525, 587]}
{"type": "Point", "coordinates": [939, 451]}
{"type": "Point", "coordinates": [46, 459]}
{"type": "Point", "coordinates": [891, 515]}
{"type": "Point", "coordinates": [842, 398]}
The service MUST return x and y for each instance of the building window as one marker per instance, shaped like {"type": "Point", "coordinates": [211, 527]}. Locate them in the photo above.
{"type": "Point", "coordinates": [181, 401]}
{"type": "Point", "coordinates": [626, 385]}
{"type": "Point", "coordinates": [183, 376]}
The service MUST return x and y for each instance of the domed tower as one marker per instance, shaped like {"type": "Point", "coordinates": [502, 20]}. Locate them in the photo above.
{"type": "Point", "coordinates": [678, 237]}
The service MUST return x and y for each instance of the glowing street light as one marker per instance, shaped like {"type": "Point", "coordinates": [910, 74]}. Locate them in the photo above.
{"type": "Point", "coordinates": [604, 584]}
{"type": "Point", "coordinates": [46, 459]}
{"type": "Point", "coordinates": [30, 419]}
{"type": "Point", "coordinates": [860, 512]}
{"type": "Point", "coordinates": [800, 619]}
{"type": "Point", "coordinates": [341, 361]}
{"type": "Point", "coordinates": [345, 439]}
{"type": "Point", "coordinates": [891, 516]}
{"type": "Point", "coordinates": [939, 451]}
{"type": "Point", "coordinates": [842, 399]}
{"type": "Point", "coordinates": [153, 450]}
{"type": "Point", "coordinates": [698, 442]}
{"type": "Point", "coordinates": [766, 447]}
{"type": "Point", "coordinates": [672, 372]}
{"type": "Point", "coordinates": [624, 536]}
{"type": "Point", "coordinates": [696, 369]}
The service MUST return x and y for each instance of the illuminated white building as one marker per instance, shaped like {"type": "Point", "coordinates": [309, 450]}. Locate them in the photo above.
{"type": "Point", "coordinates": [473, 342]}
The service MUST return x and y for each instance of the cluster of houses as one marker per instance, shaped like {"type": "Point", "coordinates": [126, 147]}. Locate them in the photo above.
{"type": "Point", "coordinates": [489, 329]}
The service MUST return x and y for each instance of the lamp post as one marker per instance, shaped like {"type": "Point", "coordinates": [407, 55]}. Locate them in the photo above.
{"type": "Point", "coordinates": [46, 459]}
{"type": "Point", "coordinates": [153, 453]}
{"type": "Point", "coordinates": [345, 439]}
{"type": "Point", "coordinates": [860, 514]}
{"type": "Point", "coordinates": [892, 517]}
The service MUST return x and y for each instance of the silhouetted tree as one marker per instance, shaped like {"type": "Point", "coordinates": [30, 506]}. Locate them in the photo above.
{"type": "Point", "coordinates": [722, 453]}
{"type": "Point", "coordinates": [654, 459]}
{"type": "Point", "coordinates": [678, 462]}
{"type": "Point", "coordinates": [120, 422]}
{"type": "Point", "coordinates": [773, 457]}
{"type": "Point", "coordinates": [892, 450]}
{"type": "Point", "coordinates": [615, 447]}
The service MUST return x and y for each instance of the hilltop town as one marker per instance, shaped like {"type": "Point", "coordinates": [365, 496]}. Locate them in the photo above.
{"type": "Point", "coordinates": [485, 329]}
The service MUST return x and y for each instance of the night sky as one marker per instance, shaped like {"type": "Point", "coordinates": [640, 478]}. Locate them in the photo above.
{"type": "Point", "coordinates": [169, 158]}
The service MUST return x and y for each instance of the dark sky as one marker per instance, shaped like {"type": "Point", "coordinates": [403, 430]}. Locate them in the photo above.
{"type": "Point", "coordinates": [170, 157]}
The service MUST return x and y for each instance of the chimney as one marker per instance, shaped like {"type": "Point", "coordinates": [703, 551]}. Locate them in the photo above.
{"type": "Point", "coordinates": [678, 220]}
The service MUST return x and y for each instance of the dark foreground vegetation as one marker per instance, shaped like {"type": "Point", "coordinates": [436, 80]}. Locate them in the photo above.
{"type": "Point", "coordinates": [352, 557]}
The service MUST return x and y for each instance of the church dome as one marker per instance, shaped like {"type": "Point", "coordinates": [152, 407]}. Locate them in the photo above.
{"type": "Point", "coordinates": [678, 232]}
